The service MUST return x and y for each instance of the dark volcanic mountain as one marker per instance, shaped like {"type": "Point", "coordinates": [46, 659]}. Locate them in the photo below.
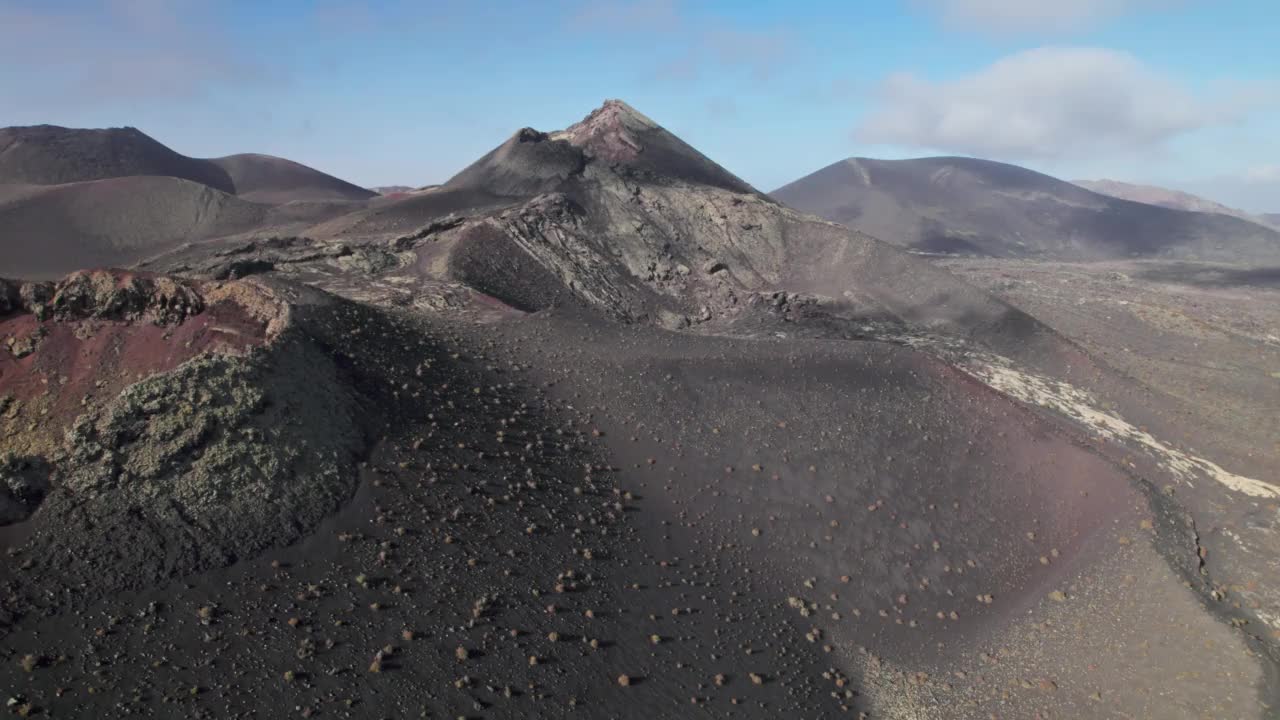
{"type": "Point", "coordinates": [275, 181]}
{"type": "Point", "coordinates": [965, 206]}
{"type": "Point", "coordinates": [91, 198]}
{"type": "Point", "coordinates": [48, 230]}
{"type": "Point", "coordinates": [51, 155]}
{"type": "Point", "coordinates": [597, 430]}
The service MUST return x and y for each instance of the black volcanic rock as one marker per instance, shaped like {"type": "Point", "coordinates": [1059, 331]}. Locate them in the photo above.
{"type": "Point", "coordinates": [23, 485]}
{"type": "Point", "coordinates": [966, 206]}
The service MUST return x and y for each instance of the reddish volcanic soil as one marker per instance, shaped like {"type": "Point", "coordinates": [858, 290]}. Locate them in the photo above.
{"type": "Point", "coordinates": [78, 360]}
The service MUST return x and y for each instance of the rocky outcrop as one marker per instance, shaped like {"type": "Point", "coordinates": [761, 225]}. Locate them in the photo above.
{"type": "Point", "coordinates": [192, 424]}
{"type": "Point", "coordinates": [104, 295]}
{"type": "Point", "coordinates": [219, 459]}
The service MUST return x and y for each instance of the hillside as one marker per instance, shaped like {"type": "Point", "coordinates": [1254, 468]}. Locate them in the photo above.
{"type": "Point", "coordinates": [966, 206]}
{"type": "Point", "coordinates": [71, 199]}
{"type": "Point", "coordinates": [273, 180]}
{"type": "Point", "coordinates": [51, 155]}
{"type": "Point", "coordinates": [46, 231]}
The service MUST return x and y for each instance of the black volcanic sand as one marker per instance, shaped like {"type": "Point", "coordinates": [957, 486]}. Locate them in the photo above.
{"type": "Point", "coordinates": [504, 533]}
{"type": "Point", "coordinates": [851, 459]}
{"type": "Point", "coordinates": [721, 508]}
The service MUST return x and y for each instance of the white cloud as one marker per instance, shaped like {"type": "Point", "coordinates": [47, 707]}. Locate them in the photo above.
{"type": "Point", "coordinates": [1043, 103]}
{"type": "Point", "coordinates": [1037, 15]}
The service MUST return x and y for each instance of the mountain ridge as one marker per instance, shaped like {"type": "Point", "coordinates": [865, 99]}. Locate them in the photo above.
{"type": "Point", "coordinates": [56, 155]}
{"type": "Point", "coordinates": [960, 205]}
{"type": "Point", "coordinates": [1167, 197]}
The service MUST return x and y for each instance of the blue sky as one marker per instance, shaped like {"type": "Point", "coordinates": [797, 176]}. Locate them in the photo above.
{"type": "Point", "coordinates": [1177, 92]}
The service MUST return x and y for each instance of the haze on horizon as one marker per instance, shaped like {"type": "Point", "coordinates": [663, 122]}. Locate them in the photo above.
{"type": "Point", "coordinates": [1179, 93]}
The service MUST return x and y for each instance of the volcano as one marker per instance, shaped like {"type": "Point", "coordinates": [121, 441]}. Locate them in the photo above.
{"type": "Point", "coordinates": [972, 207]}
{"type": "Point", "coordinates": [73, 198]}
{"type": "Point", "coordinates": [596, 427]}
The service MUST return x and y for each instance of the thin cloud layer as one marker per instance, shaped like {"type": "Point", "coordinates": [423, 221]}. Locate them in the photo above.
{"type": "Point", "coordinates": [1037, 15]}
{"type": "Point", "coordinates": [628, 15]}
{"type": "Point", "coordinates": [706, 39]}
{"type": "Point", "coordinates": [1042, 103]}
{"type": "Point", "coordinates": [121, 51]}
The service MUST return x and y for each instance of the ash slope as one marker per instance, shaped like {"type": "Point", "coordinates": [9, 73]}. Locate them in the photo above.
{"type": "Point", "coordinates": [275, 181]}
{"type": "Point", "coordinates": [966, 206]}
{"type": "Point", "coordinates": [51, 230]}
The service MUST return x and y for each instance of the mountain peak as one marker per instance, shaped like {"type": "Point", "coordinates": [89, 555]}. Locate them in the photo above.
{"type": "Point", "coordinates": [610, 131]}
{"type": "Point", "coordinates": [620, 135]}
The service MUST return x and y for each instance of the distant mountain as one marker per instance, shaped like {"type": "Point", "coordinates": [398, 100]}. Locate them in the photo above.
{"type": "Point", "coordinates": [1273, 218]}
{"type": "Point", "coordinates": [1164, 197]}
{"type": "Point", "coordinates": [392, 189]}
{"type": "Point", "coordinates": [47, 230]}
{"type": "Point", "coordinates": [273, 180]}
{"type": "Point", "coordinates": [72, 198]}
{"type": "Point", "coordinates": [52, 155]}
{"type": "Point", "coordinates": [967, 206]}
